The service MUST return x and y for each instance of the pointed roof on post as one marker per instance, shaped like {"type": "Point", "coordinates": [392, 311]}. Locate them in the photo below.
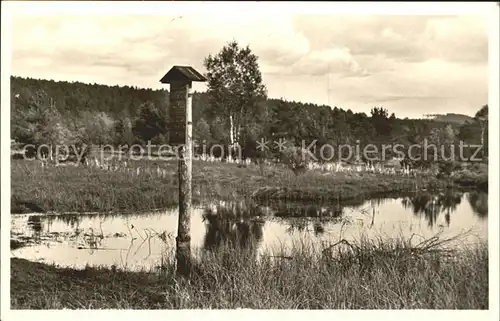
{"type": "Point", "coordinates": [182, 73]}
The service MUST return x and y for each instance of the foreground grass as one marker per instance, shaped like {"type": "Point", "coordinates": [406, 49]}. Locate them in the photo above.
{"type": "Point", "coordinates": [82, 189]}
{"type": "Point", "coordinates": [372, 275]}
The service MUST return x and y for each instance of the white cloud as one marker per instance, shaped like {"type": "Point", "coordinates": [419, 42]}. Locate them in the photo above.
{"type": "Point", "coordinates": [323, 62]}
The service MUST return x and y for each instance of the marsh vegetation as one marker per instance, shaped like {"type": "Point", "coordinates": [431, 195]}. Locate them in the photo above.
{"type": "Point", "coordinates": [254, 249]}
{"type": "Point", "coordinates": [273, 231]}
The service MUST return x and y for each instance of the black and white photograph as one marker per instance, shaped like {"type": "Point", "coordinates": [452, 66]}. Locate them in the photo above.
{"type": "Point", "coordinates": [252, 155]}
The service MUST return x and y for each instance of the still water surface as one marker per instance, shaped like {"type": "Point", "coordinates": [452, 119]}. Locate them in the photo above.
{"type": "Point", "coordinates": [139, 241]}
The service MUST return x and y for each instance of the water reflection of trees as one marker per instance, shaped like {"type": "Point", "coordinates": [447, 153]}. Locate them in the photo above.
{"type": "Point", "coordinates": [432, 205]}
{"type": "Point", "coordinates": [289, 210]}
{"type": "Point", "coordinates": [479, 203]}
{"type": "Point", "coordinates": [240, 224]}
{"type": "Point", "coordinates": [35, 225]}
{"type": "Point", "coordinates": [302, 224]}
{"type": "Point", "coordinates": [299, 217]}
{"type": "Point", "coordinates": [235, 224]}
{"type": "Point", "coordinates": [71, 220]}
{"type": "Point", "coordinates": [229, 222]}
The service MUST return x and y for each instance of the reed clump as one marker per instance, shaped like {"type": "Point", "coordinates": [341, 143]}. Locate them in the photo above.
{"type": "Point", "coordinates": [365, 274]}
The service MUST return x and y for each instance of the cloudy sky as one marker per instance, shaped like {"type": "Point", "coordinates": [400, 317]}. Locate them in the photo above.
{"type": "Point", "coordinates": [411, 65]}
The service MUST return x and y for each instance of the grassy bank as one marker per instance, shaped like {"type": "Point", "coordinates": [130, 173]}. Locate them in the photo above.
{"type": "Point", "coordinates": [82, 189]}
{"type": "Point", "coordinates": [372, 275]}
{"type": "Point", "coordinates": [475, 177]}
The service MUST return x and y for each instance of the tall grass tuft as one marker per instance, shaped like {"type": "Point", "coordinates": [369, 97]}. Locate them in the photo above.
{"type": "Point", "coordinates": [363, 275]}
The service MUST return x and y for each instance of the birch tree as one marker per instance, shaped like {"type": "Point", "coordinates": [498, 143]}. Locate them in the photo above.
{"type": "Point", "coordinates": [235, 88]}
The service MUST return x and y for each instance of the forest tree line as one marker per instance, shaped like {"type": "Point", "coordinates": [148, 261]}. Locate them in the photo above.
{"type": "Point", "coordinates": [234, 109]}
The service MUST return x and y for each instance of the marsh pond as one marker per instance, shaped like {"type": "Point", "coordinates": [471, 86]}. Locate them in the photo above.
{"type": "Point", "coordinates": [138, 241]}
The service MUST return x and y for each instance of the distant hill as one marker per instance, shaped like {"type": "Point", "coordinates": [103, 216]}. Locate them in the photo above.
{"type": "Point", "coordinates": [450, 118]}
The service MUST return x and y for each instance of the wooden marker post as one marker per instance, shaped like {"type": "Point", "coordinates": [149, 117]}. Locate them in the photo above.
{"type": "Point", "coordinates": [180, 129]}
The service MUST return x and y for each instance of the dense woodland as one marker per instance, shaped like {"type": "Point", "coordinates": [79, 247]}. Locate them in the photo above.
{"type": "Point", "coordinates": [50, 112]}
